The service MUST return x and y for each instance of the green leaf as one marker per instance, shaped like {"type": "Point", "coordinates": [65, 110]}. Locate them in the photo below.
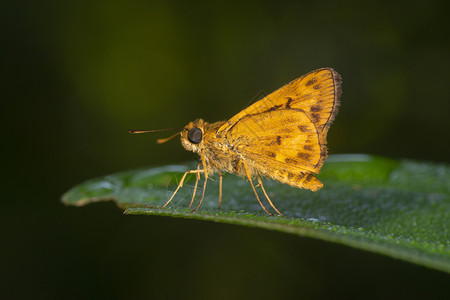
{"type": "Point", "coordinates": [396, 208]}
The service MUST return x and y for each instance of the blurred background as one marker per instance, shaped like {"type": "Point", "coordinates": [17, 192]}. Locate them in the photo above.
{"type": "Point", "coordinates": [77, 74]}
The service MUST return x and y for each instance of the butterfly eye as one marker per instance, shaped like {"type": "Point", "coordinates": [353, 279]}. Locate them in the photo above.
{"type": "Point", "coordinates": [195, 135]}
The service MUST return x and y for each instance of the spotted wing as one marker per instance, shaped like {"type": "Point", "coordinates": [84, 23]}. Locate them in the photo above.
{"type": "Point", "coordinates": [283, 136]}
{"type": "Point", "coordinates": [281, 144]}
{"type": "Point", "coordinates": [316, 94]}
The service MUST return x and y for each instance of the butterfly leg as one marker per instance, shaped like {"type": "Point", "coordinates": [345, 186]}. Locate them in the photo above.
{"type": "Point", "coordinates": [254, 190]}
{"type": "Point", "coordinates": [205, 172]}
{"type": "Point", "coordinates": [267, 196]}
{"type": "Point", "coordinates": [196, 185]}
{"type": "Point", "coordinates": [181, 184]}
{"type": "Point", "coordinates": [220, 189]}
{"type": "Point", "coordinates": [203, 195]}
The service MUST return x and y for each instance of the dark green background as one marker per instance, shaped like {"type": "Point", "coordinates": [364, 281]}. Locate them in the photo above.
{"type": "Point", "coordinates": [77, 74]}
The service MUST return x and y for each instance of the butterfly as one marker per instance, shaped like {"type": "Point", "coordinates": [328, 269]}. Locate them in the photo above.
{"type": "Point", "coordinates": [282, 137]}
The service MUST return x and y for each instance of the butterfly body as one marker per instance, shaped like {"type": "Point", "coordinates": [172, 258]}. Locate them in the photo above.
{"type": "Point", "coordinates": [282, 136]}
{"type": "Point", "coordinates": [222, 153]}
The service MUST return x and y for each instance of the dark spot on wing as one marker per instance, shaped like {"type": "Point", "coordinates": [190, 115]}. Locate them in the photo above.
{"type": "Point", "coordinates": [288, 103]}
{"type": "Point", "coordinates": [308, 147]}
{"type": "Point", "coordinates": [315, 108]}
{"type": "Point", "coordinates": [290, 161]}
{"type": "Point", "coordinates": [275, 107]}
{"type": "Point", "coordinates": [303, 155]}
{"type": "Point", "coordinates": [300, 177]}
{"type": "Point", "coordinates": [315, 117]}
{"type": "Point", "coordinates": [311, 82]}
{"type": "Point", "coordinates": [309, 177]}
{"type": "Point", "coordinates": [271, 154]}
{"type": "Point", "coordinates": [316, 87]}
{"type": "Point", "coordinates": [278, 140]}
{"type": "Point", "coordinates": [303, 128]}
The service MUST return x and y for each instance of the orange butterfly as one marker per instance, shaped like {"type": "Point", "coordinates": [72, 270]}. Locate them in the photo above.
{"type": "Point", "coordinates": [282, 136]}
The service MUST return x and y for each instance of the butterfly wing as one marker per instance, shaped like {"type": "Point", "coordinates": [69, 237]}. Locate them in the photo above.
{"type": "Point", "coordinates": [281, 144]}
{"type": "Point", "coordinates": [316, 94]}
{"type": "Point", "coordinates": [284, 134]}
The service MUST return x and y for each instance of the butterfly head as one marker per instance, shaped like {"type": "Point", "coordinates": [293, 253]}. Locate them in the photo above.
{"type": "Point", "coordinates": [192, 135]}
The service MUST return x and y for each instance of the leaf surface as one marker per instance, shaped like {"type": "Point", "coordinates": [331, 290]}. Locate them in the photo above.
{"type": "Point", "coordinates": [396, 208]}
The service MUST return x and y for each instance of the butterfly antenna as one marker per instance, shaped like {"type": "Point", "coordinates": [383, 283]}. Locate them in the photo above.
{"type": "Point", "coordinates": [159, 141]}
